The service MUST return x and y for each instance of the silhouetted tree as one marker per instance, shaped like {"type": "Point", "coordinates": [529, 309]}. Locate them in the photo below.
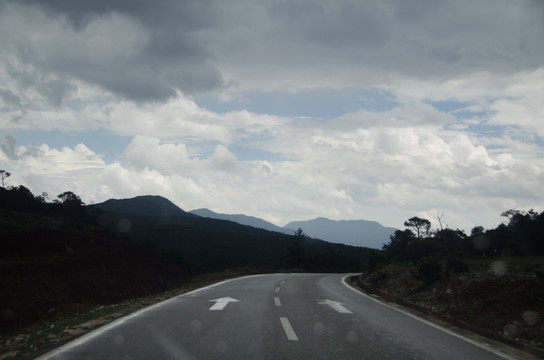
{"type": "Point", "coordinates": [400, 244]}
{"type": "Point", "coordinates": [420, 225]}
{"type": "Point", "coordinates": [477, 231]}
{"type": "Point", "coordinates": [71, 204]}
{"type": "Point", "coordinates": [479, 242]}
{"type": "Point", "coordinates": [526, 231]}
{"type": "Point", "coordinates": [449, 242]}
{"type": "Point", "coordinates": [375, 259]}
{"type": "Point", "coordinates": [69, 198]}
{"type": "Point", "coordinates": [296, 251]}
{"type": "Point", "coordinates": [18, 198]}
{"type": "Point", "coordinates": [4, 174]}
{"type": "Point", "coordinates": [43, 197]}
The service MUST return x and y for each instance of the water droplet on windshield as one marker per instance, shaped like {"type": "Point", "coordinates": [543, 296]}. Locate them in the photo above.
{"type": "Point", "coordinates": [119, 339]}
{"type": "Point", "coordinates": [221, 346]}
{"type": "Point", "coordinates": [196, 325]}
{"type": "Point", "coordinates": [319, 328]}
{"type": "Point", "coordinates": [499, 267]}
{"type": "Point", "coordinates": [352, 337]}
{"type": "Point", "coordinates": [124, 225]}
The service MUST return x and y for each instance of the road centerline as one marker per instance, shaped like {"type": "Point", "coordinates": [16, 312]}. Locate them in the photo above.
{"type": "Point", "coordinates": [339, 307]}
{"type": "Point", "coordinates": [289, 331]}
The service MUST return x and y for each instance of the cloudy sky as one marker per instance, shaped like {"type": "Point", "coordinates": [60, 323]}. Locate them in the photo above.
{"type": "Point", "coordinates": [285, 110]}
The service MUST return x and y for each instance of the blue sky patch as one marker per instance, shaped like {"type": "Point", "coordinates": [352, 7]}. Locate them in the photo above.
{"type": "Point", "coordinates": [318, 104]}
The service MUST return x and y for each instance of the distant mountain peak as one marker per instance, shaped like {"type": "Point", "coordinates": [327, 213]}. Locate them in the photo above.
{"type": "Point", "coordinates": [143, 205]}
{"type": "Point", "coordinates": [241, 219]}
{"type": "Point", "coordinates": [350, 232]}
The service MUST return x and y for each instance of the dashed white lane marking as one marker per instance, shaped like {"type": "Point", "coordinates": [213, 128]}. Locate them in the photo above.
{"type": "Point", "coordinates": [277, 289]}
{"type": "Point", "coordinates": [291, 335]}
{"type": "Point", "coordinates": [277, 301]}
{"type": "Point", "coordinates": [336, 306]}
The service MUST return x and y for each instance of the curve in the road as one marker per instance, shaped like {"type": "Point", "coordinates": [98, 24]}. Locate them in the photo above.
{"type": "Point", "coordinates": [277, 316]}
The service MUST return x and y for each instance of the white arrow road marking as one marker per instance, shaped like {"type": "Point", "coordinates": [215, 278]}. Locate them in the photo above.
{"type": "Point", "coordinates": [221, 303]}
{"type": "Point", "coordinates": [336, 306]}
{"type": "Point", "coordinates": [291, 335]}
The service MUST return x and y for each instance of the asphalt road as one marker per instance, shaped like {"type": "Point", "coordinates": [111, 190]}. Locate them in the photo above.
{"type": "Point", "coordinates": [279, 316]}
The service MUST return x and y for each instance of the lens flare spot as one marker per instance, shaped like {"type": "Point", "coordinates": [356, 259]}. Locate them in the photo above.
{"type": "Point", "coordinates": [499, 267]}
{"type": "Point", "coordinates": [352, 337]}
{"type": "Point", "coordinates": [124, 225]}
{"type": "Point", "coordinates": [196, 325]}
{"type": "Point", "coordinates": [221, 347]}
{"type": "Point", "coordinates": [119, 339]}
{"type": "Point", "coordinates": [319, 328]}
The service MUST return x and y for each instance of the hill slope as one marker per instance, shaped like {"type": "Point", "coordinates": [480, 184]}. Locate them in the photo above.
{"type": "Point", "coordinates": [146, 205]}
{"type": "Point", "coordinates": [241, 219]}
{"type": "Point", "coordinates": [200, 244]}
{"type": "Point", "coordinates": [350, 232]}
{"type": "Point", "coordinates": [51, 262]}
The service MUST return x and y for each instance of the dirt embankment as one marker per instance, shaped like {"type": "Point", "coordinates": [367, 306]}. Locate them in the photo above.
{"type": "Point", "coordinates": [503, 306]}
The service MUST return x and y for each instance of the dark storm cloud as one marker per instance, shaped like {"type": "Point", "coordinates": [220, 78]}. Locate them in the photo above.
{"type": "Point", "coordinates": [166, 58]}
{"type": "Point", "coordinates": [147, 50]}
{"type": "Point", "coordinates": [189, 14]}
{"type": "Point", "coordinates": [422, 38]}
{"type": "Point", "coordinates": [9, 147]}
{"type": "Point", "coordinates": [53, 90]}
{"type": "Point", "coordinates": [333, 26]}
{"type": "Point", "coordinates": [9, 98]}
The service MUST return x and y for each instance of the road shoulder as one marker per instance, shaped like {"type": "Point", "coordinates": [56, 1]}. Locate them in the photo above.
{"type": "Point", "coordinates": [480, 337]}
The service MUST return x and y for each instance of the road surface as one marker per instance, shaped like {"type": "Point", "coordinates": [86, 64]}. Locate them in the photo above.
{"type": "Point", "coordinates": [278, 316]}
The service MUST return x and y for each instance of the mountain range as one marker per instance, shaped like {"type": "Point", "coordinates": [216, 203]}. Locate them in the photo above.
{"type": "Point", "coordinates": [349, 232]}
{"type": "Point", "coordinates": [145, 205]}
{"type": "Point", "coordinates": [202, 244]}
{"type": "Point", "coordinates": [242, 219]}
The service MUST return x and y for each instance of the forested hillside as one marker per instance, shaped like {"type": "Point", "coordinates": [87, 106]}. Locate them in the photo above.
{"type": "Point", "coordinates": [200, 244]}
{"type": "Point", "coordinates": [53, 257]}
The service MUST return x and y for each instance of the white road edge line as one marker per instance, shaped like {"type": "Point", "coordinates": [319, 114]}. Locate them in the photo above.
{"type": "Point", "coordinates": [124, 319]}
{"type": "Point", "coordinates": [277, 301]}
{"type": "Point", "coordinates": [291, 335]}
{"type": "Point", "coordinates": [436, 326]}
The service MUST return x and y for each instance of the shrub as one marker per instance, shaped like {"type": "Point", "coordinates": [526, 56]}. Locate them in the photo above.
{"type": "Point", "coordinates": [379, 277]}
{"type": "Point", "coordinates": [430, 271]}
{"type": "Point", "coordinates": [457, 266]}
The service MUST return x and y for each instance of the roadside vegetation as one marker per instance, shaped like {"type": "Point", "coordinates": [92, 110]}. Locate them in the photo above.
{"type": "Point", "coordinates": [491, 281]}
